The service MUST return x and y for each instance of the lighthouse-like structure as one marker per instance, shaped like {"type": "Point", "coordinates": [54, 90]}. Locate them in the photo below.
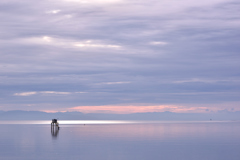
{"type": "Point", "coordinates": [55, 124]}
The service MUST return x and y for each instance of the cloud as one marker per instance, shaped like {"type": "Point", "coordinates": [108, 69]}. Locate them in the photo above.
{"type": "Point", "coordinates": [54, 11]}
{"type": "Point", "coordinates": [137, 109]}
{"type": "Point", "coordinates": [53, 92]}
{"type": "Point", "coordinates": [67, 43]}
{"type": "Point", "coordinates": [199, 80]}
{"type": "Point", "coordinates": [103, 53]}
{"type": "Point", "coordinates": [25, 94]}
{"type": "Point", "coordinates": [96, 45]}
{"type": "Point", "coordinates": [93, 1]}
{"type": "Point", "coordinates": [112, 83]}
{"type": "Point", "coordinates": [158, 43]}
{"type": "Point", "coordinates": [44, 93]}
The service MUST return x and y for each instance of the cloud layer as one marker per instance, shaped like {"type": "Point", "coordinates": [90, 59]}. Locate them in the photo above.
{"type": "Point", "coordinates": [119, 53]}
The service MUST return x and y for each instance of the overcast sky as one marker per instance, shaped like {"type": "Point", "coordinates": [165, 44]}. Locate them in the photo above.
{"type": "Point", "coordinates": [120, 56]}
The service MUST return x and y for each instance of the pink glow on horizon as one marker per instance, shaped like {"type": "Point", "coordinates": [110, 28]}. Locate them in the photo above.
{"type": "Point", "coordinates": [52, 111]}
{"type": "Point", "coordinates": [137, 109]}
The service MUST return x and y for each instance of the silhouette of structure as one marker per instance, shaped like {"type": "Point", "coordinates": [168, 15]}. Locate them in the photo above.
{"type": "Point", "coordinates": [55, 124]}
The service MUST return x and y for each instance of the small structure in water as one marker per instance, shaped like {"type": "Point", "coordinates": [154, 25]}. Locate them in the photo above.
{"type": "Point", "coordinates": [55, 123]}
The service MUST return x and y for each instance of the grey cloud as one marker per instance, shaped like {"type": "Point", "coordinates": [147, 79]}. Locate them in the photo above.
{"type": "Point", "coordinates": [194, 40]}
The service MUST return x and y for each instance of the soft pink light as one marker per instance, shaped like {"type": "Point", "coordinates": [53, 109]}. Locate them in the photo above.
{"type": "Point", "coordinates": [137, 109]}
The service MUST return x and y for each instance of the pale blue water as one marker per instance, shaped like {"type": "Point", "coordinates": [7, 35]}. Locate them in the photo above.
{"type": "Point", "coordinates": [108, 140]}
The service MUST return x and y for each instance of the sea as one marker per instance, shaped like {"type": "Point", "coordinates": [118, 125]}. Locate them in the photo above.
{"type": "Point", "coordinates": [120, 140]}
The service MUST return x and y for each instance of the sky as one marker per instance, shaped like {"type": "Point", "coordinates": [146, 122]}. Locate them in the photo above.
{"type": "Point", "coordinates": [120, 56]}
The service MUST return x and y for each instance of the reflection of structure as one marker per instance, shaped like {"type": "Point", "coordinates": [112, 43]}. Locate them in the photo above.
{"type": "Point", "coordinates": [54, 131]}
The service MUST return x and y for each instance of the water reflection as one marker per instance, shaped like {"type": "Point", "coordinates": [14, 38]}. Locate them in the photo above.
{"type": "Point", "coordinates": [166, 141]}
{"type": "Point", "coordinates": [54, 132]}
{"type": "Point", "coordinates": [103, 122]}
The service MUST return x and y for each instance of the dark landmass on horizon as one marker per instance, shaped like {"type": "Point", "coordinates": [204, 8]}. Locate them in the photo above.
{"type": "Point", "coordinates": [164, 116]}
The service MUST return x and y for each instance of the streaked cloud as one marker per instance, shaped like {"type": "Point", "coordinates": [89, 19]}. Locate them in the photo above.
{"type": "Point", "coordinates": [93, 1]}
{"type": "Point", "coordinates": [137, 109]}
{"type": "Point", "coordinates": [158, 43]}
{"type": "Point", "coordinates": [53, 92]}
{"type": "Point", "coordinates": [54, 11]}
{"type": "Point", "coordinates": [204, 80]}
{"type": "Point", "coordinates": [96, 45]}
{"type": "Point", "coordinates": [25, 94]}
{"type": "Point", "coordinates": [47, 39]}
{"type": "Point", "coordinates": [68, 43]}
{"type": "Point", "coordinates": [112, 83]}
{"type": "Point", "coordinates": [115, 52]}
{"type": "Point", "coordinates": [44, 92]}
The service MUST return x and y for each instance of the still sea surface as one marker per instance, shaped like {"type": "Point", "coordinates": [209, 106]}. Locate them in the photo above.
{"type": "Point", "coordinates": [119, 140]}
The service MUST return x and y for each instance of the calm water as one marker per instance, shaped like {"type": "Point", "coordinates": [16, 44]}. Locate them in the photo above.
{"type": "Point", "coordinates": [118, 140]}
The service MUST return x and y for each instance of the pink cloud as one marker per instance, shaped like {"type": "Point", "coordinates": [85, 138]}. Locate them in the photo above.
{"type": "Point", "coordinates": [137, 109]}
{"type": "Point", "coordinates": [51, 111]}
